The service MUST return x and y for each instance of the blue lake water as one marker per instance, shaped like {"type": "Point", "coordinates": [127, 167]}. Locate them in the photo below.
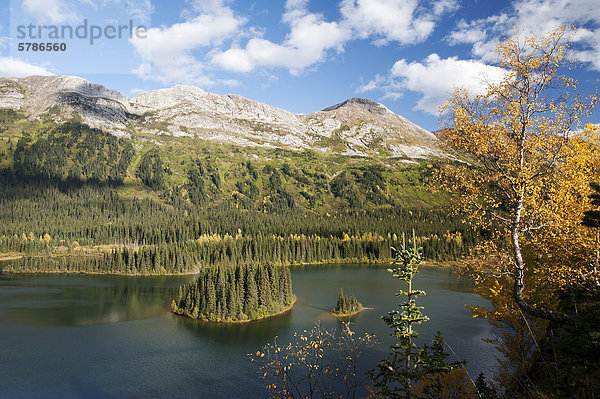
{"type": "Point", "coordinates": [113, 337]}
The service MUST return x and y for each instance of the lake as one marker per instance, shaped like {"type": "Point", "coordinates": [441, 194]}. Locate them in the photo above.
{"type": "Point", "coordinates": [113, 337]}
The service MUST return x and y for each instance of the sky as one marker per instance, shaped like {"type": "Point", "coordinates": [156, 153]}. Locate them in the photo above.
{"type": "Point", "coordinates": [298, 55]}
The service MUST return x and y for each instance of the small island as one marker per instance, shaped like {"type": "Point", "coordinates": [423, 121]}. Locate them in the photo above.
{"type": "Point", "coordinates": [236, 294]}
{"type": "Point", "coordinates": [346, 306]}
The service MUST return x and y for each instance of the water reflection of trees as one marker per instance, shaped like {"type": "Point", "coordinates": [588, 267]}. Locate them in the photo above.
{"type": "Point", "coordinates": [254, 334]}
{"type": "Point", "coordinates": [80, 300]}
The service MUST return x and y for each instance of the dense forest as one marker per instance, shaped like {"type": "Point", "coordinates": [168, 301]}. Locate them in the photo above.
{"type": "Point", "coordinates": [236, 294]}
{"type": "Point", "coordinates": [74, 152]}
{"type": "Point", "coordinates": [75, 199]}
{"type": "Point", "coordinates": [210, 250]}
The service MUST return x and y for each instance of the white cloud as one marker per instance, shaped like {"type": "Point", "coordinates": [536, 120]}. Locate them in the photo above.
{"type": "Point", "coordinates": [208, 6]}
{"type": "Point", "coordinates": [53, 11]}
{"type": "Point", "coordinates": [435, 79]}
{"type": "Point", "coordinates": [14, 68]}
{"type": "Point", "coordinates": [138, 10]}
{"type": "Point", "coordinates": [544, 15]}
{"type": "Point", "coordinates": [312, 39]}
{"type": "Point", "coordinates": [308, 43]}
{"type": "Point", "coordinates": [166, 52]}
{"type": "Point", "coordinates": [590, 51]}
{"type": "Point", "coordinates": [403, 21]}
{"type": "Point", "coordinates": [537, 16]}
{"type": "Point", "coordinates": [469, 32]}
{"type": "Point", "coordinates": [170, 53]}
{"type": "Point", "coordinates": [443, 6]}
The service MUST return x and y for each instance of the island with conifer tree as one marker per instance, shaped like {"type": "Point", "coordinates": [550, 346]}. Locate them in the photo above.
{"type": "Point", "coordinates": [346, 306]}
{"type": "Point", "coordinates": [236, 294]}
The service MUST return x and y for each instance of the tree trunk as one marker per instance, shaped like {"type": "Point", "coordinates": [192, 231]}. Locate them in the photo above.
{"type": "Point", "coordinates": [409, 348]}
{"type": "Point", "coordinates": [596, 264]}
{"type": "Point", "coordinates": [519, 275]}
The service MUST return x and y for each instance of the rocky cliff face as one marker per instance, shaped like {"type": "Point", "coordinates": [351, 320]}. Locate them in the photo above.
{"type": "Point", "coordinates": [366, 127]}
{"type": "Point", "coordinates": [355, 127]}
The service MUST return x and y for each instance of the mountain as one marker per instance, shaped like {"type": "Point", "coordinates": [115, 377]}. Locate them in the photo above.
{"type": "Point", "coordinates": [355, 127]}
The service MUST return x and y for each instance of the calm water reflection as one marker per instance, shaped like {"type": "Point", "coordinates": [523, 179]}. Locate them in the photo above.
{"type": "Point", "coordinates": [113, 337]}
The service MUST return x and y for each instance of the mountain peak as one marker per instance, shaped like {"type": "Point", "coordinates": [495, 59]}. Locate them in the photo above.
{"type": "Point", "coordinates": [355, 127]}
{"type": "Point", "coordinates": [66, 84]}
{"type": "Point", "coordinates": [370, 105]}
{"type": "Point", "coordinates": [168, 97]}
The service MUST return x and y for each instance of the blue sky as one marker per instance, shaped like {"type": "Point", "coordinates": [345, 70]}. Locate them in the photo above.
{"type": "Point", "coordinates": [299, 55]}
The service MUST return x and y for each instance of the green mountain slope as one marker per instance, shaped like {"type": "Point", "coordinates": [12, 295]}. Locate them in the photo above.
{"type": "Point", "coordinates": [75, 199]}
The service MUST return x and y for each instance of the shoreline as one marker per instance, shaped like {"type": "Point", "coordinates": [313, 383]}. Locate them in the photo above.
{"type": "Point", "coordinates": [442, 264]}
{"type": "Point", "coordinates": [344, 315]}
{"type": "Point", "coordinates": [84, 273]}
{"type": "Point", "coordinates": [225, 322]}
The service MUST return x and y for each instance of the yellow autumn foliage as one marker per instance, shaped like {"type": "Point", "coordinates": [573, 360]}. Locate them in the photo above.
{"type": "Point", "coordinates": [526, 168]}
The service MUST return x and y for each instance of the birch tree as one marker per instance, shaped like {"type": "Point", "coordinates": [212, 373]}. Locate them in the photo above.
{"type": "Point", "coordinates": [516, 139]}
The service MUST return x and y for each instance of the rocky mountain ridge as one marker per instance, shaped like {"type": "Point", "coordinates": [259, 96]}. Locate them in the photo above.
{"type": "Point", "coordinates": [356, 127]}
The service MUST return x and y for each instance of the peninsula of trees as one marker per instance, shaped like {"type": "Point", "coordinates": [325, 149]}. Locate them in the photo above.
{"type": "Point", "coordinates": [236, 294]}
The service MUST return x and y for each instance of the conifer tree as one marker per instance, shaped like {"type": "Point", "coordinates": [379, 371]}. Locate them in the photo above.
{"type": "Point", "coordinates": [340, 301]}
{"type": "Point", "coordinates": [396, 375]}
{"type": "Point", "coordinates": [484, 390]}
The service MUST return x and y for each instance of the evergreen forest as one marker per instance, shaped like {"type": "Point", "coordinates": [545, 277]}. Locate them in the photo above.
{"type": "Point", "coordinates": [236, 294]}
{"type": "Point", "coordinates": [77, 200]}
